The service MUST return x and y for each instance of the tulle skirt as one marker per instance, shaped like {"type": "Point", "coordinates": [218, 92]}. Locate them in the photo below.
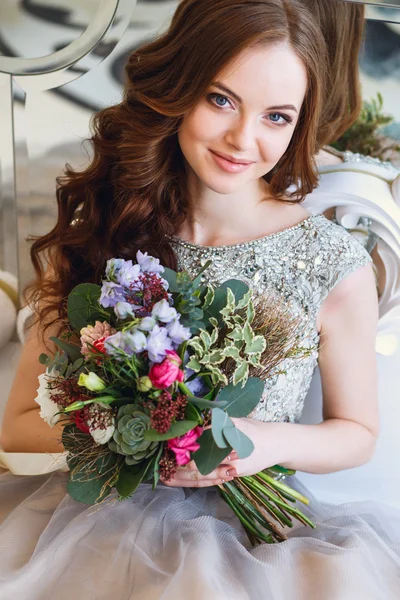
{"type": "Point", "coordinates": [186, 544]}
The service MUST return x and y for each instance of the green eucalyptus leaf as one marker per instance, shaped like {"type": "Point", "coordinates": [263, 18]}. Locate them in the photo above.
{"type": "Point", "coordinates": [176, 430]}
{"type": "Point", "coordinates": [238, 440]}
{"type": "Point", "coordinates": [129, 479]}
{"type": "Point", "coordinates": [73, 352]}
{"type": "Point", "coordinates": [170, 276]}
{"type": "Point", "coordinates": [83, 306]}
{"type": "Point", "coordinates": [238, 288]}
{"type": "Point", "coordinates": [203, 403]}
{"type": "Point", "coordinates": [218, 422]}
{"type": "Point", "coordinates": [242, 401]}
{"type": "Point", "coordinates": [87, 491]}
{"type": "Point", "coordinates": [44, 359]}
{"type": "Point", "coordinates": [209, 456]}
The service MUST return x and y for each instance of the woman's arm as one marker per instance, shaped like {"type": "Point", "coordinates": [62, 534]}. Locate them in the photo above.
{"type": "Point", "coordinates": [23, 430]}
{"type": "Point", "coordinates": [347, 361]}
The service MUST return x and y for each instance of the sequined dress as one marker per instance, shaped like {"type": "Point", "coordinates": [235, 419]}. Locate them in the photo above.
{"type": "Point", "coordinates": [300, 265]}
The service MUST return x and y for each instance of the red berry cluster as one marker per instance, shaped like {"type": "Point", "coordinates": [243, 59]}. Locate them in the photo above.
{"type": "Point", "coordinates": [167, 466]}
{"type": "Point", "coordinates": [168, 409]}
{"type": "Point", "coordinates": [151, 291]}
{"type": "Point", "coordinates": [66, 391]}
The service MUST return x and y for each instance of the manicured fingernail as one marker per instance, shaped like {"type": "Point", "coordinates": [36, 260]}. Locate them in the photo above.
{"type": "Point", "coordinates": [228, 457]}
{"type": "Point", "coordinates": [222, 480]}
{"type": "Point", "coordinates": [231, 473]}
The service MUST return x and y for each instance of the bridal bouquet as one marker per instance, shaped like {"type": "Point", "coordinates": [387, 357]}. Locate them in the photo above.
{"type": "Point", "coordinates": [152, 369]}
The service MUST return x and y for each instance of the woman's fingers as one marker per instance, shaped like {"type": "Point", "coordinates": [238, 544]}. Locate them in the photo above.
{"type": "Point", "coordinates": [190, 476]}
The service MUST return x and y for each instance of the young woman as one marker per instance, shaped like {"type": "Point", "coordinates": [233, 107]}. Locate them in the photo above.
{"type": "Point", "coordinates": [195, 163]}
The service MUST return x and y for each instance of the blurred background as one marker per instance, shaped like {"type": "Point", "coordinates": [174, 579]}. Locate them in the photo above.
{"type": "Point", "coordinates": [62, 60]}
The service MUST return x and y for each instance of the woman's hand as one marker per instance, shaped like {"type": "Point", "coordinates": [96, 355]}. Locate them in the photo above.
{"type": "Point", "coordinates": [269, 444]}
{"type": "Point", "coordinates": [190, 476]}
{"type": "Point", "coordinates": [267, 452]}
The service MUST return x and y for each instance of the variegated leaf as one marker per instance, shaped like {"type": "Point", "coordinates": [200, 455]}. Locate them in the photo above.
{"type": "Point", "coordinates": [194, 365]}
{"type": "Point", "coordinates": [241, 374]}
{"type": "Point", "coordinates": [248, 334]}
{"type": "Point", "coordinates": [232, 352]}
{"type": "Point", "coordinates": [250, 312]}
{"type": "Point", "coordinates": [216, 357]}
{"type": "Point", "coordinates": [197, 346]}
{"type": "Point", "coordinates": [205, 338]}
{"type": "Point", "coordinates": [245, 300]}
{"type": "Point", "coordinates": [209, 297]}
{"type": "Point", "coordinates": [257, 346]}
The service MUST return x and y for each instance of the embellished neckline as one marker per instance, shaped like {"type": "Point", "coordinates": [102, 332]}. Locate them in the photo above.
{"type": "Point", "coordinates": [303, 224]}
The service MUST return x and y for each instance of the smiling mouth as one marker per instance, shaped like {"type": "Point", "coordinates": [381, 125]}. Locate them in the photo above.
{"type": "Point", "coordinates": [232, 160]}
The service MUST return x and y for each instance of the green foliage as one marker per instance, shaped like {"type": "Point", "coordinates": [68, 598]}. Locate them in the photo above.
{"type": "Point", "coordinates": [230, 308]}
{"type": "Point", "coordinates": [176, 430]}
{"type": "Point", "coordinates": [209, 456]}
{"type": "Point", "coordinates": [84, 308]}
{"type": "Point", "coordinates": [240, 402]}
{"type": "Point", "coordinates": [365, 135]}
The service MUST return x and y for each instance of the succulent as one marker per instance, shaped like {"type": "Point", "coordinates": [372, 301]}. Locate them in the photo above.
{"type": "Point", "coordinates": [128, 438]}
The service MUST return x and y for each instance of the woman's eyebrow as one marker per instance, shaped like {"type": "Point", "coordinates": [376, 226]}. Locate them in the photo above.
{"type": "Point", "coordinates": [238, 98]}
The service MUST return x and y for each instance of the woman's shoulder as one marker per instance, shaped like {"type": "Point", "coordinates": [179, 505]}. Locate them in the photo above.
{"type": "Point", "coordinates": [337, 253]}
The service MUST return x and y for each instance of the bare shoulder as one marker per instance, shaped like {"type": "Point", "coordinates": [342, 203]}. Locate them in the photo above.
{"type": "Point", "coordinates": [353, 298]}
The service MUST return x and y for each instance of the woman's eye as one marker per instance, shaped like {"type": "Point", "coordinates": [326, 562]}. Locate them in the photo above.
{"type": "Point", "coordinates": [279, 119]}
{"type": "Point", "coordinates": [215, 97]}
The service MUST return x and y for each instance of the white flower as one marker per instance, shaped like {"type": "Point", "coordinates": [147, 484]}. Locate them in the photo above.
{"type": "Point", "coordinates": [164, 312]}
{"type": "Point", "coordinates": [48, 408]}
{"type": "Point", "coordinates": [102, 436]}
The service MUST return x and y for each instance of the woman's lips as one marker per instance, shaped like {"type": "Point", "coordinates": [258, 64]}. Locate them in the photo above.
{"type": "Point", "coordinates": [229, 166]}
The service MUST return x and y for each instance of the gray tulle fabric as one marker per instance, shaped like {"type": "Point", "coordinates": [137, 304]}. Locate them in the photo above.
{"type": "Point", "coordinates": [186, 544]}
{"type": "Point", "coordinates": [178, 544]}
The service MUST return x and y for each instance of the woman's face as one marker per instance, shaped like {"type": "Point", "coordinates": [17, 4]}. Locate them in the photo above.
{"type": "Point", "coordinates": [249, 113]}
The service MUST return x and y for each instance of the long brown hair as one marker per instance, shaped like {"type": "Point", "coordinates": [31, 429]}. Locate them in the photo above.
{"type": "Point", "coordinates": [342, 24]}
{"type": "Point", "coordinates": [134, 191]}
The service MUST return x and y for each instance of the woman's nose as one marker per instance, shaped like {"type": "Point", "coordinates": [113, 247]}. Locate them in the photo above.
{"type": "Point", "coordinates": [242, 135]}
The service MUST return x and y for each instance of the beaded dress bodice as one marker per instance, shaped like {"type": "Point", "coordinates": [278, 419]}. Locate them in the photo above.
{"type": "Point", "coordinates": [301, 264]}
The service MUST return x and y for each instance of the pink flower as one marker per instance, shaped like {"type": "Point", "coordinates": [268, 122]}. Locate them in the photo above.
{"type": "Point", "coordinates": [92, 334]}
{"type": "Point", "coordinates": [184, 445]}
{"type": "Point", "coordinates": [164, 374]}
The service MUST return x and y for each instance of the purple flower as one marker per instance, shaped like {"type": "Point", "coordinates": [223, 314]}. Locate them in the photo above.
{"type": "Point", "coordinates": [111, 293]}
{"type": "Point", "coordinates": [177, 332]}
{"type": "Point", "coordinates": [137, 341]}
{"type": "Point", "coordinates": [148, 264]}
{"type": "Point", "coordinates": [113, 267]}
{"type": "Point", "coordinates": [164, 312]}
{"type": "Point", "coordinates": [128, 342]}
{"type": "Point", "coordinates": [128, 274]}
{"type": "Point", "coordinates": [158, 343]}
{"type": "Point", "coordinates": [115, 343]}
